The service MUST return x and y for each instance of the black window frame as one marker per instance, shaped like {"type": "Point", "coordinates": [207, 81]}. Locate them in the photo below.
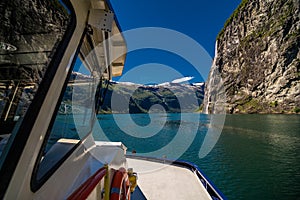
{"type": "Point", "coordinates": [35, 183]}
{"type": "Point", "coordinates": [14, 153]}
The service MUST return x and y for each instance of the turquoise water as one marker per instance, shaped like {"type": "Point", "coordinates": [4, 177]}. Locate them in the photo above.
{"type": "Point", "coordinates": [256, 156]}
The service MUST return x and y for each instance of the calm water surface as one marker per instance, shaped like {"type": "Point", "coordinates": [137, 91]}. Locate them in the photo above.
{"type": "Point", "coordinates": [256, 156]}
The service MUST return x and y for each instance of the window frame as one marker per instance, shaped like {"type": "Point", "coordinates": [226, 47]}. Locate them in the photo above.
{"type": "Point", "coordinates": [36, 183]}
{"type": "Point", "coordinates": [11, 159]}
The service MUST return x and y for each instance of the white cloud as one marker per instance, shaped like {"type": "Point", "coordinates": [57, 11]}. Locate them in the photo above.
{"type": "Point", "coordinates": [184, 79]}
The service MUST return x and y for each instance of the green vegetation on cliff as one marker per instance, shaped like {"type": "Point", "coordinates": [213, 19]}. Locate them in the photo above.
{"type": "Point", "coordinates": [233, 15]}
{"type": "Point", "coordinates": [258, 57]}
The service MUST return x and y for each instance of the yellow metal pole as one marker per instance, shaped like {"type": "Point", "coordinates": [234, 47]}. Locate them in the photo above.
{"type": "Point", "coordinates": [106, 183]}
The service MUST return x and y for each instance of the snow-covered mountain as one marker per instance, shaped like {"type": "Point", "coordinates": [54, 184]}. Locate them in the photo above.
{"type": "Point", "coordinates": [137, 98]}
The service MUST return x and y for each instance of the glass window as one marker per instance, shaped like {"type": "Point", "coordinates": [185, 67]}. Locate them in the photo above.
{"type": "Point", "coordinates": [30, 33]}
{"type": "Point", "coordinates": [76, 113]}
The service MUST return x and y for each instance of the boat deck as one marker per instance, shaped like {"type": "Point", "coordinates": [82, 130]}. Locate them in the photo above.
{"type": "Point", "coordinates": [164, 181]}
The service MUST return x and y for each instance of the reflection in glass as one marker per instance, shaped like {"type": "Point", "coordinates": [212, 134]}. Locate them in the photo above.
{"type": "Point", "coordinates": [76, 113]}
{"type": "Point", "coordinates": [30, 32]}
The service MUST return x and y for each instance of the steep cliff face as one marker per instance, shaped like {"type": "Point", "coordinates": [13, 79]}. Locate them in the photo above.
{"type": "Point", "coordinates": [258, 57]}
{"type": "Point", "coordinates": [30, 32]}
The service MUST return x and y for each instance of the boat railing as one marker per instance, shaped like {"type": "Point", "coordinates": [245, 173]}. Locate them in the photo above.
{"type": "Point", "coordinates": [211, 189]}
{"type": "Point", "coordinates": [89, 185]}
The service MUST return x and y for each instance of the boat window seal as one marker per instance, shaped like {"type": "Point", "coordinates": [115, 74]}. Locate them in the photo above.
{"type": "Point", "coordinates": [10, 162]}
{"type": "Point", "coordinates": [109, 4]}
{"type": "Point", "coordinates": [36, 184]}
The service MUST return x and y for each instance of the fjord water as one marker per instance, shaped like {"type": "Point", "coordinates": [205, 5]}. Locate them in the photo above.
{"type": "Point", "coordinates": [256, 156]}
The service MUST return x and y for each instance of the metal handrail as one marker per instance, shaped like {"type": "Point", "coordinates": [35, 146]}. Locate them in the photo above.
{"type": "Point", "coordinates": [89, 185]}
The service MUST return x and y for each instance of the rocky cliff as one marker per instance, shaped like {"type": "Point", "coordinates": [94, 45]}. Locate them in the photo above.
{"type": "Point", "coordinates": [30, 32]}
{"type": "Point", "coordinates": [258, 58]}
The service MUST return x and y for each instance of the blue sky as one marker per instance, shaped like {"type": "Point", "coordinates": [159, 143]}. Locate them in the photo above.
{"type": "Point", "coordinates": [199, 20]}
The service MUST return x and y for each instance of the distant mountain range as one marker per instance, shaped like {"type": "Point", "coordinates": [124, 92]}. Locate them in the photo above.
{"type": "Point", "coordinates": [127, 97]}
{"type": "Point", "coordinates": [135, 98]}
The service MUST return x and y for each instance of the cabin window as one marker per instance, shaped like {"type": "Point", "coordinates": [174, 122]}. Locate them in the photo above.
{"type": "Point", "coordinates": [33, 37]}
{"type": "Point", "coordinates": [30, 34]}
{"type": "Point", "coordinates": [75, 116]}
